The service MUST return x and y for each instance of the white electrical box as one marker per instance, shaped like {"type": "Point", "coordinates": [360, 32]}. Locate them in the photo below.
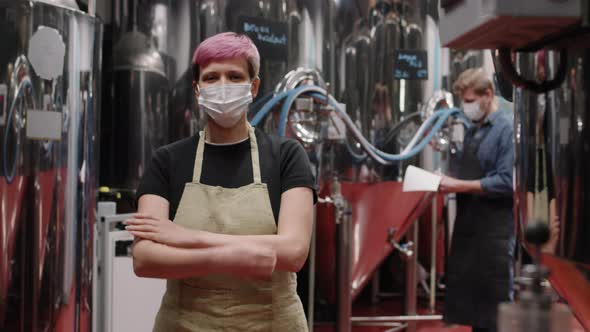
{"type": "Point", "coordinates": [134, 301]}
{"type": "Point", "coordinates": [491, 24]}
{"type": "Point", "coordinates": [123, 302]}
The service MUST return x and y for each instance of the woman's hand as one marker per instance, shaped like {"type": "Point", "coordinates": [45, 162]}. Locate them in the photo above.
{"type": "Point", "coordinates": [148, 227]}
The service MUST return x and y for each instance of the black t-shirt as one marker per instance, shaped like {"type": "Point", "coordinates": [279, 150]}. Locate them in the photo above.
{"type": "Point", "coordinates": [283, 165]}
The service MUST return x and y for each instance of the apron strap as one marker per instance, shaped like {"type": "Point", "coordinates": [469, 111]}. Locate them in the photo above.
{"type": "Point", "coordinates": [198, 166]}
{"type": "Point", "coordinates": [255, 155]}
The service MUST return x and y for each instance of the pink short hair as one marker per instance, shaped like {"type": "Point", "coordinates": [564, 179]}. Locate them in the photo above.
{"type": "Point", "coordinates": [223, 46]}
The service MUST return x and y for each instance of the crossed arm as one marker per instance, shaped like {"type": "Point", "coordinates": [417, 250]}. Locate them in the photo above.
{"type": "Point", "coordinates": [163, 249]}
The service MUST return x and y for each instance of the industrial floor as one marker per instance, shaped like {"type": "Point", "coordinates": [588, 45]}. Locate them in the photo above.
{"type": "Point", "coordinates": [389, 308]}
{"type": "Point", "coordinates": [392, 307]}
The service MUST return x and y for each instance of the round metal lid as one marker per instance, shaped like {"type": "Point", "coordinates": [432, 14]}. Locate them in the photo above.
{"type": "Point", "coordinates": [135, 52]}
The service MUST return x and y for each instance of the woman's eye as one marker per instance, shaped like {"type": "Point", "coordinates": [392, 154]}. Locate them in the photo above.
{"type": "Point", "coordinates": [236, 78]}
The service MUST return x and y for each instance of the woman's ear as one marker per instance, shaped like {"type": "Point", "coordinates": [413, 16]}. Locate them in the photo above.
{"type": "Point", "coordinates": [255, 87]}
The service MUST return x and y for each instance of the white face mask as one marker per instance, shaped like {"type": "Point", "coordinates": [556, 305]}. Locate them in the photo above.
{"type": "Point", "coordinates": [226, 103]}
{"type": "Point", "coordinates": [473, 111]}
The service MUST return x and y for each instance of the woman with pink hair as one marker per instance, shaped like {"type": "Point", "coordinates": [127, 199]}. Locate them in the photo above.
{"type": "Point", "coordinates": [226, 215]}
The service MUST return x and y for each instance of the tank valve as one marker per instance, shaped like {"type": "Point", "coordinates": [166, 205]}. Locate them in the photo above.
{"type": "Point", "coordinates": [404, 248]}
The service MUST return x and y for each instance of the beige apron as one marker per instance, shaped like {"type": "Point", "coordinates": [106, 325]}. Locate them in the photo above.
{"type": "Point", "coordinates": [223, 302]}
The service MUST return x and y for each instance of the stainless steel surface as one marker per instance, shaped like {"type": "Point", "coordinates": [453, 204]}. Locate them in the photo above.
{"type": "Point", "coordinates": [552, 139]}
{"type": "Point", "coordinates": [304, 122]}
{"type": "Point", "coordinates": [370, 33]}
{"type": "Point", "coordinates": [136, 123]}
{"type": "Point", "coordinates": [92, 7]}
{"type": "Point", "coordinates": [300, 76]}
{"type": "Point", "coordinates": [416, 318]}
{"type": "Point", "coordinates": [412, 278]}
{"type": "Point", "coordinates": [311, 273]}
{"type": "Point", "coordinates": [433, 246]}
{"type": "Point", "coordinates": [134, 51]}
{"type": "Point", "coordinates": [48, 208]}
{"type": "Point", "coordinates": [344, 252]}
{"type": "Point", "coordinates": [149, 38]}
{"type": "Point", "coordinates": [386, 32]}
{"type": "Point", "coordinates": [436, 157]}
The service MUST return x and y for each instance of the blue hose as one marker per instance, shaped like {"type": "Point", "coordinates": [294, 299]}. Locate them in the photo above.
{"type": "Point", "coordinates": [416, 149]}
{"type": "Point", "coordinates": [261, 114]}
{"type": "Point", "coordinates": [287, 105]}
{"type": "Point", "coordinates": [255, 106]}
{"type": "Point", "coordinates": [420, 133]}
{"type": "Point", "coordinates": [357, 157]}
{"type": "Point", "coordinates": [439, 118]}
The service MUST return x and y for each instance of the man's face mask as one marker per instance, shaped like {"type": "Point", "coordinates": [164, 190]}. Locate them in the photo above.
{"type": "Point", "coordinates": [226, 103]}
{"type": "Point", "coordinates": [473, 111]}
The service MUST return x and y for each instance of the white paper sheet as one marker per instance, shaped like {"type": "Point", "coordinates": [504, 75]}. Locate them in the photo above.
{"type": "Point", "coordinates": [417, 179]}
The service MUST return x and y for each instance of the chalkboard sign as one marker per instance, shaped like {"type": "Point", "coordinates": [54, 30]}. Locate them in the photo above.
{"type": "Point", "coordinates": [269, 36]}
{"type": "Point", "coordinates": [410, 65]}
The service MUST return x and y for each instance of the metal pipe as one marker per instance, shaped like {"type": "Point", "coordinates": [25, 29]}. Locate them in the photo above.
{"type": "Point", "coordinates": [433, 256]}
{"type": "Point", "coordinates": [343, 254]}
{"type": "Point", "coordinates": [411, 277]}
{"type": "Point", "coordinates": [72, 162]}
{"type": "Point", "coordinates": [375, 285]}
{"type": "Point", "coordinates": [311, 282]}
{"type": "Point", "coordinates": [393, 326]}
{"type": "Point", "coordinates": [92, 7]}
{"type": "Point", "coordinates": [409, 318]}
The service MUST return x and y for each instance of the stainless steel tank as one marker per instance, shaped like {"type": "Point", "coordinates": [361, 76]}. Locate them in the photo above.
{"type": "Point", "coordinates": [138, 76]}
{"type": "Point", "coordinates": [137, 122]}
{"type": "Point", "coordinates": [552, 181]}
{"type": "Point", "coordinates": [49, 86]}
{"type": "Point", "coordinates": [368, 35]}
{"type": "Point", "coordinates": [551, 176]}
{"type": "Point", "coordinates": [305, 25]}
